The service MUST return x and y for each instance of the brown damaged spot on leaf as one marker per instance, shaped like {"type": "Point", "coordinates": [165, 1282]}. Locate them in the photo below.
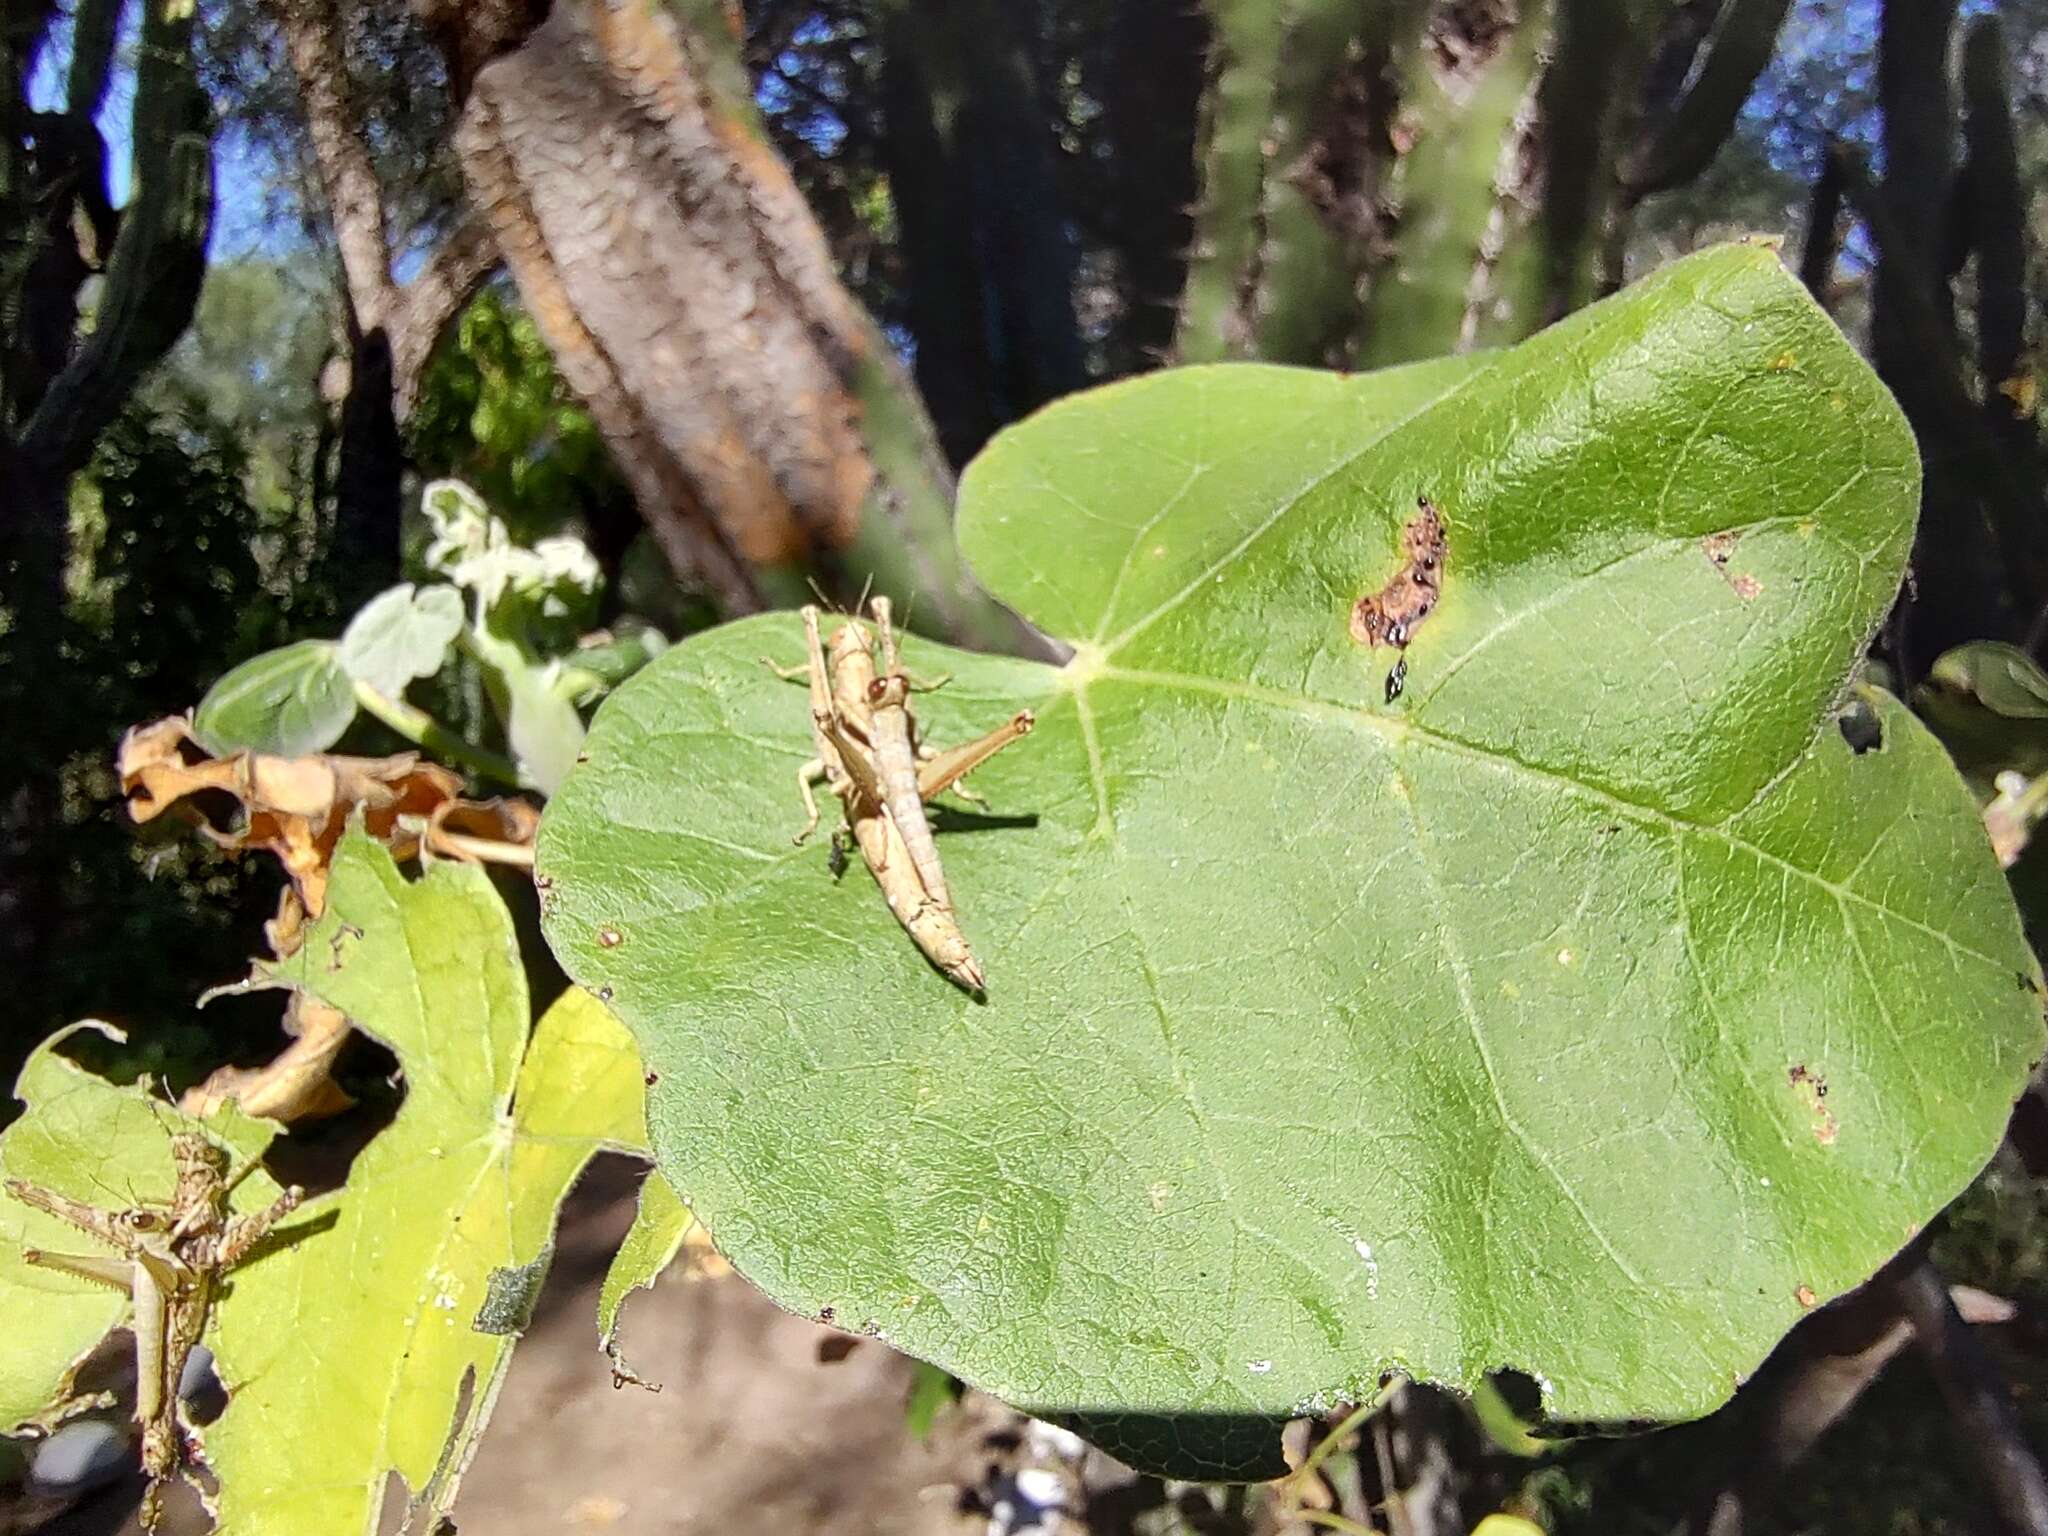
{"type": "Point", "coordinates": [1719, 549]}
{"type": "Point", "coordinates": [1391, 615]}
{"type": "Point", "coordinates": [1805, 1297]}
{"type": "Point", "coordinates": [1812, 1090]}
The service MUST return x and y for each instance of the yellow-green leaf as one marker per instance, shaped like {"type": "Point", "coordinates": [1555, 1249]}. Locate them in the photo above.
{"type": "Point", "coordinates": [356, 1351]}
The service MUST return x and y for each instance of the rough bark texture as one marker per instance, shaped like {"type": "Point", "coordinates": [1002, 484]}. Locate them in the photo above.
{"type": "Point", "coordinates": [688, 296]}
{"type": "Point", "coordinates": [392, 327]}
{"type": "Point", "coordinates": [335, 127]}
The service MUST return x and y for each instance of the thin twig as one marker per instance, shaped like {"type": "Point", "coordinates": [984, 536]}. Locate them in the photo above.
{"type": "Point", "coordinates": [486, 850]}
{"type": "Point", "coordinates": [1329, 1444]}
{"type": "Point", "coordinates": [422, 729]}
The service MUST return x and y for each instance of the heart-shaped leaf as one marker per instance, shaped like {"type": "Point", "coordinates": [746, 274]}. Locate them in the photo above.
{"type": "Point", "coordinates": [1591, 1007]}
{"type": "Point", "coordinates": [402, 633]}
{"type": "Point", "coordinates": [287, 702]}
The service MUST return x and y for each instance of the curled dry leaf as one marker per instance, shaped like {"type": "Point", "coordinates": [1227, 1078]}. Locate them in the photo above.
{"type": "Point", "coordinates": [297, 808]}
{"type": "Point", "coordinates": [297, 1084]}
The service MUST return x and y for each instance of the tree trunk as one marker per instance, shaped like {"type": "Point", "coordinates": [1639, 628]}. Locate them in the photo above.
{"type": "Point", "coordinates": [62, 386]}
{"type": "Point", "coordinates": [392, 327]}
{"type": "Point", "coordinates": [988, 266]}
{"type": "Point", "coordinates": [665, 253]}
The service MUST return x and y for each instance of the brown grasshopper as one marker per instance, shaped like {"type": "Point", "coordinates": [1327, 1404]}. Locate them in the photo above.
{"type": "Point", "coordinates": [171, 1260]}
{"type": "Point", "coordinates": [868, 754]}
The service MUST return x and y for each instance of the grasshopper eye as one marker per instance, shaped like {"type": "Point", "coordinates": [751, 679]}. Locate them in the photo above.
{"type": "Point", "coordinates": [144, 1221]}
{"type": "Point", "coordinates": [876, 689]}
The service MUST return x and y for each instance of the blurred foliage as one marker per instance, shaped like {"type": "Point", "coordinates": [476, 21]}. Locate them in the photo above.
{"type": "Point", "coordinates": [250, 366]}
{"type": "Point", "coordinates": [494, 413]}
{"type": "Point", "coordinates": [165, 593]}
{"type": "Point", "coordinates": [399, 81]}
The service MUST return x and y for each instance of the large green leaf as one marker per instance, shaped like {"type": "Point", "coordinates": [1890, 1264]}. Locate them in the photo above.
{"type": "Point", "coordinates": [1590, 1008]}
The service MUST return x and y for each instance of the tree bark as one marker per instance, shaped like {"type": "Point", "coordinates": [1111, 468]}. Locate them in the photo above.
{"type": "Point", "coordinates": [336, 129]}
{"type": "Point", "coordinates": [392, 327]}
{"type": "Point", "coordinates": [666, 254]}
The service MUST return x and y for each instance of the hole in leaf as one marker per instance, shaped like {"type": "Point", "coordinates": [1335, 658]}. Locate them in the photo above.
{"type": "Point", "coordinates": [1861, 728]}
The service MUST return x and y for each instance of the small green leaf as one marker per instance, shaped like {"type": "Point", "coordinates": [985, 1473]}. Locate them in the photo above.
{"type": "Point", "coordinates": [290, 702]}
{"type": "Point", "coordinates": [611, 661]}
{"type": "Point", "coordinates": [401, 634]}
{"type": "Point", "coordinates": [660, 1223]}
{"type": "Point", "coordinates": [2003, 678]}
{"type": "Point", "coordinates": [1988, 703]}
{"type": "Point", "coordinates": [542, 728]}
{"type": "Point", "coordinates": [346, 1354]}
{"type": "Point", "coordinates": [1587, 1008]}
{"type": "Point", "coordinates": [110, 1147]}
